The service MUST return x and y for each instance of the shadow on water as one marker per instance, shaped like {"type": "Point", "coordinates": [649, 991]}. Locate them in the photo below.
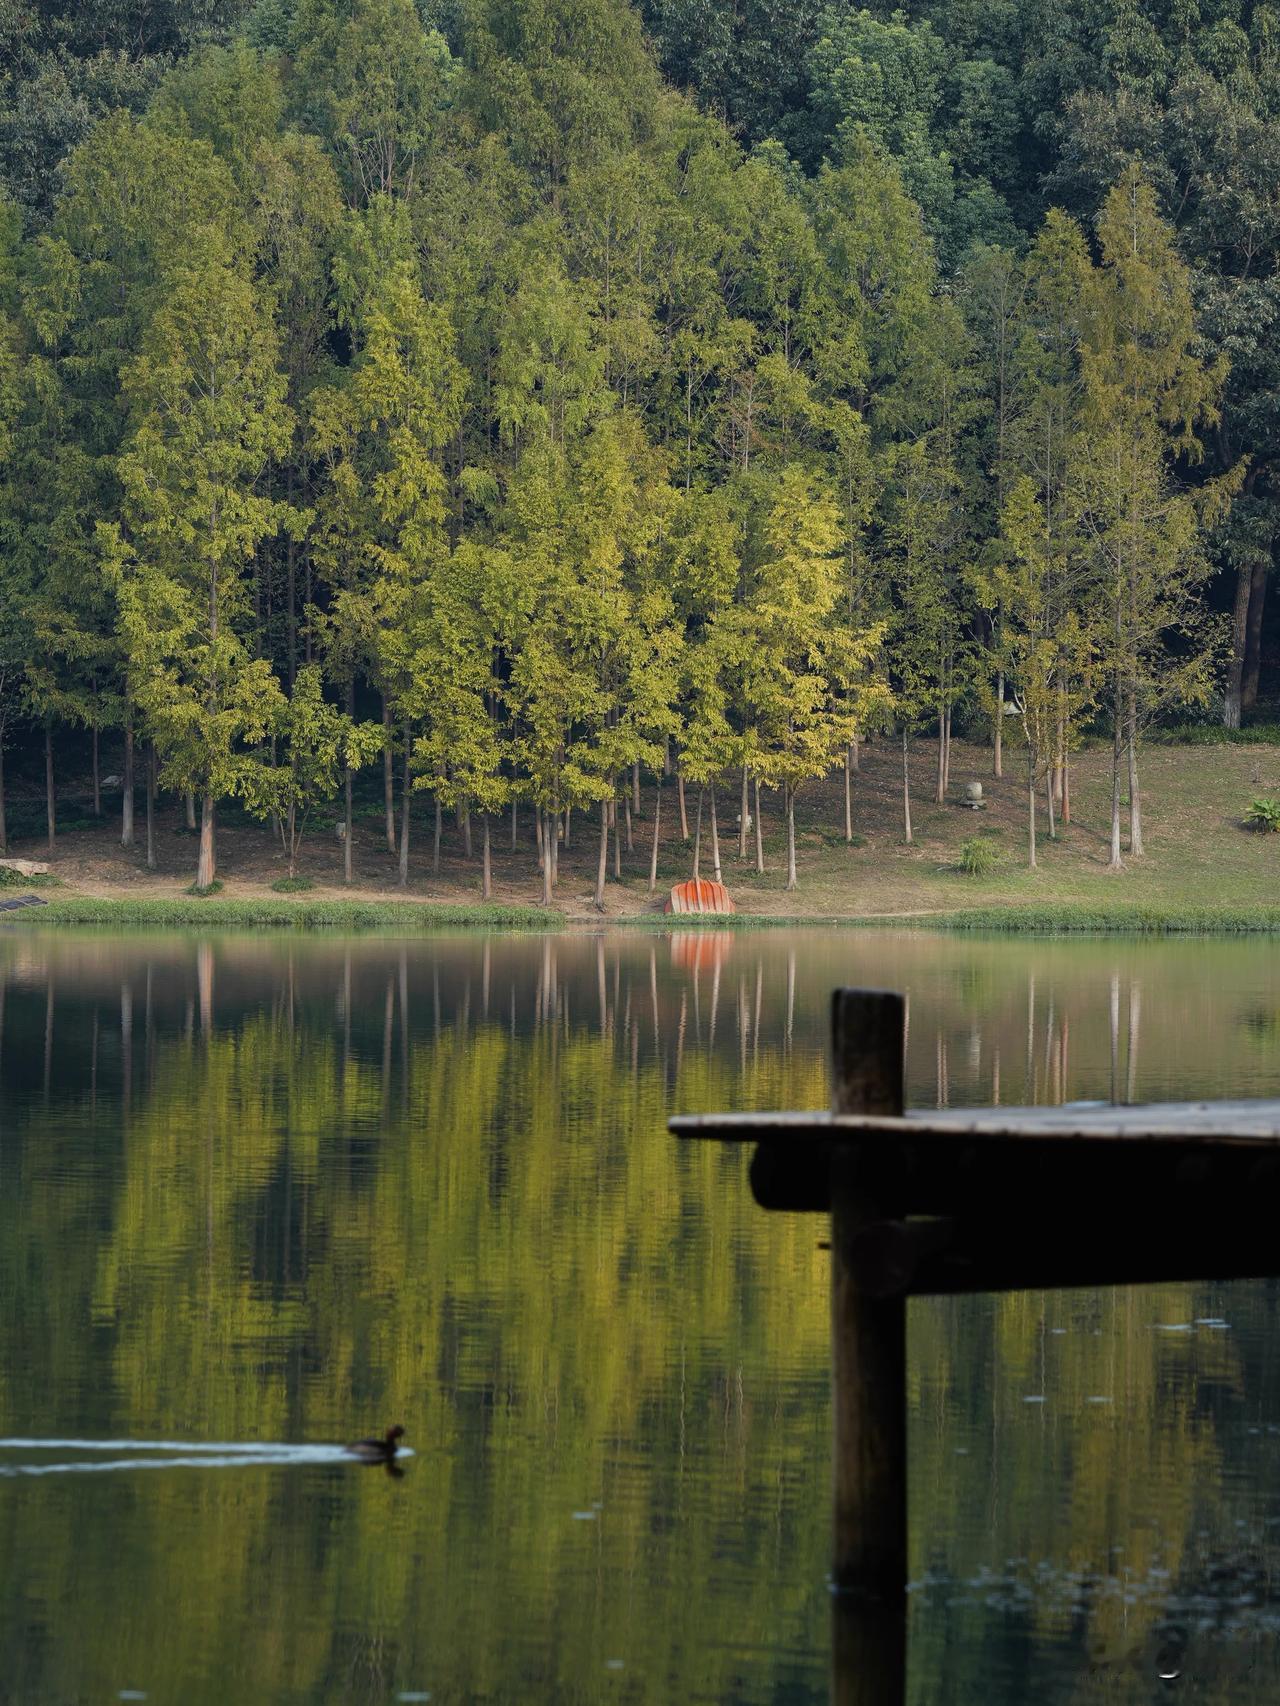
{"type": "Point", "coordinates": [256, 1189]}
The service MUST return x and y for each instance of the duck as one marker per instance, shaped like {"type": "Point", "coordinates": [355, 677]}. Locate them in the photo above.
{"type": "Point", "coordinates": [378, 1450]}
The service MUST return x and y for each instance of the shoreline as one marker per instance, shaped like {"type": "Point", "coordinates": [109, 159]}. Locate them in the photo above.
{"type": "Point", "coordinates": [68, 910]}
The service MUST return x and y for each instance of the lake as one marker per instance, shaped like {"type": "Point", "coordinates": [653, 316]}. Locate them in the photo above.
{"type": "Point", "coordinates": [261, 1196]}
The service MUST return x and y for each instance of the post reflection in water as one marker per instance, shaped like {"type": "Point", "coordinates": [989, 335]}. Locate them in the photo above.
{"type": "Point", "coordinates": [286, 1192]}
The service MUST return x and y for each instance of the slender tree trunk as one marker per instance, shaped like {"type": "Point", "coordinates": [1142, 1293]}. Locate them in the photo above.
{"type": "Point", "coordinates": [545, 835]}
{"type": "Point", "coordinates": [1066, 786]}
{"type": "Point", "coordinates": [50, 800]}
{"type": "Point", "coordinates": [716, 872]}
{"type": "Point", "coordinates": [1232, 703]}
{"type": "Point", "coordinates": [744, 815]}
{"type": "Point", "coordinates": [1135, 797]}
{"type": "Point", "coordinates": [464, 824]}
{"type": "Point", "coordinates": [697, 841]}
{"type": "Point", "coordinates": [405, 793]}
{"type": "Point", "coordinates": [848, 793]}
{"type": "Point", "coordinates": [190, 807]}
{"type": "Point", "coordinates": [486, 883]}
{"type": "Point", "coordinates": [348, 822]}
{"type": "Point", "coordinates": [791, 837]}
{"type": "Point", "coordinates": [1048, 802]}
{"type": "Point", "coordinates": [126, 793]}
{"type": "Point", "coordinates": [97, 775]}
{"type": "Point", "coordinates": [906, 791]}
{"type": "Point", "coordinates": [684, 815]}
{"type": "Point", "coordinates": [997, 745]}
{"type": "Point", "coordinates": [940, 788]}
{"type": "Point", "coordinates": [1253, 637]}
{"type": "Point", "coordinates": [635, 792]}
{"type": "Point", "coordinates": [151, 805]}
{"type": "Point", "coordinates": [568, 825]}
{"type": "Point", "coordinates": [946, 753]}
{"type": "Point", "coordinates": [290, 831]}
{"type": "Point", "coordinates": [515, 803]}
{"type": "Point", "coordinates": [439, 833]}
{"type": "Point", "coordinates": [626, 811]}
{"type": "Point", "coordinates": [388, 777]}
{"type": "Point", "coordinates": [617, 840]}
{"type": "Point", "coordinates": [207, 865]}
{"type": "Point", "coordinates": [1031, 806]}
{"type": "Point", "coordinates": [1115, 862]}
{"type": "Point", "coordinates": [657, 820]}
{"type": "Point", "coordinates": [856, 753]}
{"type": "Point", "coordinates": [759, 831]}
{"type": "Point", "coordinates": [4, 827]}
{"type": "Point", "coordinates": [602, 864]}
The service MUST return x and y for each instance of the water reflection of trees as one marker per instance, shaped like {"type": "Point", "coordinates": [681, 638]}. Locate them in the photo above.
{"type": "Point", "coordinates": [276, 1192]}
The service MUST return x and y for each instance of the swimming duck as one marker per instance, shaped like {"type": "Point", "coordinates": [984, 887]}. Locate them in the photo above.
{"type": "Point", "coordinates": [378, 1450]}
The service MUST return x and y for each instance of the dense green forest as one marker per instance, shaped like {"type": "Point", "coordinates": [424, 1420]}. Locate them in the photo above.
{"type": "Point", "coordinates": [528, 396]}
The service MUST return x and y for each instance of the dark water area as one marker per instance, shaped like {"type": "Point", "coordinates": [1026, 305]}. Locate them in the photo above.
{"type": "Point", "coordinates": [258, 1197]}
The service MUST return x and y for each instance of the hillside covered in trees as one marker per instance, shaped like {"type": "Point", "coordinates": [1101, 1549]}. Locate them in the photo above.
{"type": "Point", "coordinates": [528, 396]}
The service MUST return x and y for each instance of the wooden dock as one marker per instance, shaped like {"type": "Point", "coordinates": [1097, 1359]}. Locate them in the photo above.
{"type": "Point", "coordinates": [963, 1200]}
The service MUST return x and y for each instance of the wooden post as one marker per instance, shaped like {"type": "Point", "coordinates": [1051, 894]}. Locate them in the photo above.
{"type": "Point", "coordinates": [868, 1334]}
{"type": "Point", "coordinates": [869, 1377]}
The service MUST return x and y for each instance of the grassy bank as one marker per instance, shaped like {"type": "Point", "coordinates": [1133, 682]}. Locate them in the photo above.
{"type": "Point", "coordinates": [1071, 920]}
{"type": "Point", "coordinates": [216, 912]}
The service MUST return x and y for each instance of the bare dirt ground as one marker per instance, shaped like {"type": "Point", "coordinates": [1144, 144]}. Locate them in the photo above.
{"type": "Point", "coordinates": [1194, 802]}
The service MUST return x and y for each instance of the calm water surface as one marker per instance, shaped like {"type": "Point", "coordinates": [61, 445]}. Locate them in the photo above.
{"type": "Point", "coordinates": [257, 1197]}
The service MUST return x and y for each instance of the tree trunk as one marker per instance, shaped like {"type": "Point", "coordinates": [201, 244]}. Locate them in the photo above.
{"type": "Point", "coordinates": [906, 792]}
{"type": "Point", "coordinates": [940, 788]}
{"type": "Point", "coordinates": [291, 838]}
{"type": "Point", "coordinates": [544, 821]}
{"type": "Point", "coordinates": [848, 793]}
{"type": "Point", "coordinates": [856, 753]}
{"type": "Point", "coordinates": [97, 776]}
{"type": "Point", "coordinates": [1115, 863]}
{"type": "Point", "coordinates": [759, 831]}
{"type": "Point", "coordinates": [791, 837]}
{"type": "Point", "coordinates": [151, 805]}
{"type": "Point", "coordinates": [657, 819]}
{"type": "Point", "coordinates": [744, 815]}
{"type": "Point", "coordinates": [1135, 797]}
{"type": "Point", "coordinates": [348, 824]}
{"type": "Point", "coordinates": [697, 840]}
{"type": "Point", "coordinates": [405, 792]}
{"type": "Point", "coordinates": [1048, 802]}
{"type": "Point", "coordinates": [190, 806]}
{"type": "Point", "coordinates": [1233, 699]}
{"type": "Point", "coordinates": [50, 801]}
{"type": "Point", "coordinates": [997, 745]}
{"type": "Point", "coordinates": [486, 881]}
{"type": "Point", "coordinates": [1031, 806]}
{"type": "Point", "coordinates": [207, 865]}
{"type": "Point", "coordinates": [126, 794]}
{"type": "Point", "coordinates": [715, 840]}
{"type": "Point", "coordinates": [635, 792]}
{"type": "Point", "coordinates": [515, 802]}
{"type": "Point", "coordinates": [617, 840]}
{"type": "Point", "coordinates": [684, 815]}
{"type": "Point", "coordinates": [626, 809]}
{"type": "Point", "coordinates": [388, 777]}
{"type": "Point", "coordinates": [946, 754]}
{"type": "Point", "coordinates": [1066, 786]}
{"type": "Point", "coordinates": [602, 865]}
{"type": "Point", "coordinates": [1253, 637]}
{"type": "Point", "coordinates": [4, 828]}
{"type": "Point", "coordinates": [439, 832]}
{"type": "Point", "coordinates": [464, 824]}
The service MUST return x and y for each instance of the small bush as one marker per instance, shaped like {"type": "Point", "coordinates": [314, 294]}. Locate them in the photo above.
{"type": "Point", "coordinates": [293, 885]}
{"type": "Point", "coordinates": [1264, 814]}
{"type": "Point", "coordinates": [215, 887]}
{"type": "Point", "coordinates": [979, 856]}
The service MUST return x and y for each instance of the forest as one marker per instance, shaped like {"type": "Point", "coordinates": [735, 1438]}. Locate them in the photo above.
{"type": "Point", "coordinates": [529, 398]}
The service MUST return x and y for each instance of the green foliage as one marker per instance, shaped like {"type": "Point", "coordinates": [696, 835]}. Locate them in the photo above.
{"type": "Point", "coordinates": [292, 885]}
{"type": "Point", "coordinates": [979, 856]}
{"type": "Point", "coordinates": [1264, 814]}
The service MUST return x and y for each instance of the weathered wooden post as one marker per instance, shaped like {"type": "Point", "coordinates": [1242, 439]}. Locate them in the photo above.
{"type": "Point", "coordinates": [868, 1334]}
{"type": "Point", "coordinates": [868, 1374]}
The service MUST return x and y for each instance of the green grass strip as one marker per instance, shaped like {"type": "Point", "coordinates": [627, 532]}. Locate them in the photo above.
{"type": "Point", "coordinates": [218, 913]}
{"type": "Point", "coordinates": [1076, 920]}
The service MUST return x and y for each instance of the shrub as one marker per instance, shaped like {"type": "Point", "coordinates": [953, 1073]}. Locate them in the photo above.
{"type": "Point", "coordinates": [215, 887]}
{"type": "Point", "coordinates": [1264, 814]}
{"type": "Point", "coordinates": [292, 885]}
{"type": "Point", "coordinates": [979, 856]}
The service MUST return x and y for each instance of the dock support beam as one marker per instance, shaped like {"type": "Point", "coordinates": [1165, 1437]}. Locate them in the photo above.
{"type": "Point", "coordinates": [869, 1374]}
